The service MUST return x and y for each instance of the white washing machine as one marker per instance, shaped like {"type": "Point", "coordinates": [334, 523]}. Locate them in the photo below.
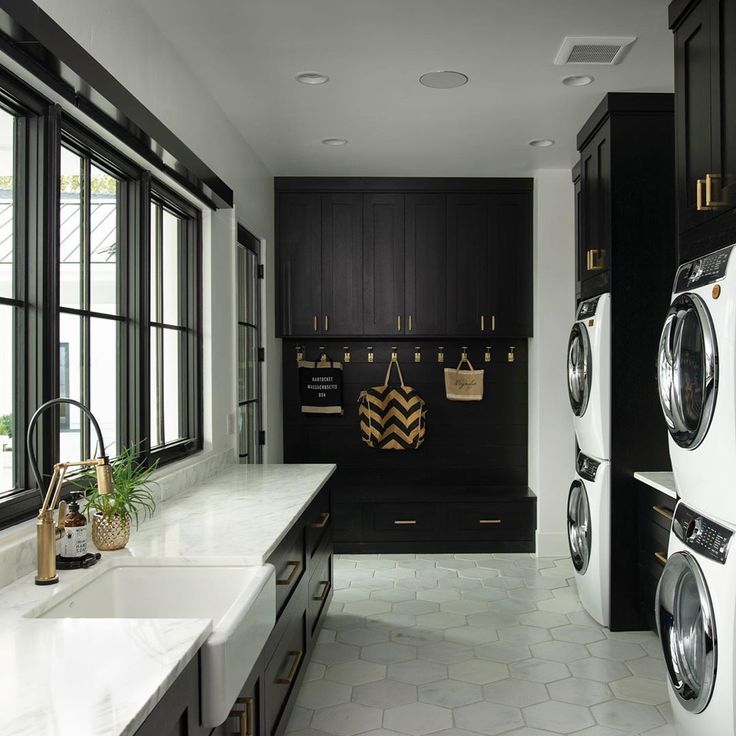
{"type": "Point", "coordinates": [697, 381]}
{"type": "Point", "coordinates": [589, 534]}
{"type": "Point", "coordinates": [695, 605]}
{"type": "Point", "coordinates": [589, 376]}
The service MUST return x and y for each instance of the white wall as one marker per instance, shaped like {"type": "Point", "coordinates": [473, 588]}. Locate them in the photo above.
{"type": "Point", "coordinates": [551, 434]}
{"type": "Point", "coordinates": [122, 37]}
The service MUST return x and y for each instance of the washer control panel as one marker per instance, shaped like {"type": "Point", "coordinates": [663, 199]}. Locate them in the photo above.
{"type": "Point", "coordinates": [587, 467]}
{"type": "Point", "coordinates": [703, 271]}
{"type": "Point", "coordinates": [701, 534]}
{"type": "Point", "coordinates": [587, 308]}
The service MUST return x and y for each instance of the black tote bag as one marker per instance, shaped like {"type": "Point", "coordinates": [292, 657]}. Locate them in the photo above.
{"type": "Point", "coordinates": [320, 386]}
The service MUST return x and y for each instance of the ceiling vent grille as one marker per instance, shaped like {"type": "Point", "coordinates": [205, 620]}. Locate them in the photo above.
{"type": "Point", "coordinates": [593, 49]}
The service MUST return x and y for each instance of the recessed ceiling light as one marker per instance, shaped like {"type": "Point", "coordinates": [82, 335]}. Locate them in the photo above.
{"type": "Point", "coordinates": [542, 142]}
{"type": "Point", "coordinates": [578, 80]}
{"type": "Point", "coordinates": [443, 80]}
{"type": "Point", "coordinates": [334, 141]}
{"type": "Point", "coordinates": [312, 78]}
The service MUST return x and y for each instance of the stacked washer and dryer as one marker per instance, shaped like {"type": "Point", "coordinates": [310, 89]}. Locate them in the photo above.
{"type": "Point", "coordinates": [589, 499]}
{"type": "Point", "coordinates": [696, 596]}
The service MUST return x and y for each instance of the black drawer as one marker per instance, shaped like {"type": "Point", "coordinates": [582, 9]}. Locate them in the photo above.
{"type": "Point", "coordinates": [492, 520]}
{"type": "Point", "coordinates": [320, 586]}
{"type": "Point", "coordinates": [289, 561]}
{"type": "Point", "coordinates": [282, 671]}
{"type": "Point", "coordinates": [402, 521]}
{"type": "Point", "coordinates": [317, 521]}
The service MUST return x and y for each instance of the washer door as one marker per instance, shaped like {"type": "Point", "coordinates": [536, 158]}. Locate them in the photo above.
{"type": "Point", "coordinates": [688, 370]}
{"type": "Point", "coordinates": [579, 368]}
{"type": "Point", "coordinates": [579, 526]}
{"type": "Point", "coordinates": [687, 630]}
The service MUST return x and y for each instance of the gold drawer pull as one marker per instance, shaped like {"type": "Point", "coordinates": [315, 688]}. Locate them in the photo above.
{"type": "Point", "coordinates": [245, 717]}
{"type": "Point", "coordinates": [661, 557]}
{"type": "Point", "coordinates": [398, 323]}
{"type": "Point", "coordinates": [405, 522]}
{"type": "Point", "coordinates": [322, 524]}
{"type": "Point", "coordinates": [298, 655]}
{"type": "Point", "coordinates": [295, 566]}
{"type": "Point", "coordinates": [663, 511]}
{"type": "Point", "coordinates": [489, 521]}
{"type": "Point", "coordinates": [324, 592]}
{"type": "Point", "coordinates": [410, 324]}
{"type": "Point", "coordinates": [493, 323]}
{"type": "Point", "coordinates": [327, 323]}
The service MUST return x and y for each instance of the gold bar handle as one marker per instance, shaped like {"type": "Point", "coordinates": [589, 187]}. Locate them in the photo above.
{"type": "Point", "coordinates": [663, 511]}
{"type": "Point", "coordinates": [295, 566]}
{"type": "Point", "coordinates": [398, 323]}
{"type": "Point", "coordinates": [410, 324]}
{"type": "Point", "coordinates": [298, 655]}
{"type": "Point", "coordinates": [321, 597]}
{"type": "Point", "coordinates": [710, 201]}
{"type": "Point", "coordinates": [314, 321]}
{"type": "Point", "coordinates": [493, 323]}
{"type": "Point", "coordinates": [327, 323]}
{"type": "Point", "coordinates": [661, 557]}
{"type": "Point", "coordinates": [482, 323]}
{"type": "Point", "coordinates": [322, 524]}
{"type": "Point", "coordinates": [700, 206]}
{"type": "Point", "coordinates": [489, 521]}
{"type": "Point", "coordinates": [245, 717]}
{"type": "Point", "coordinates": [405, 522]}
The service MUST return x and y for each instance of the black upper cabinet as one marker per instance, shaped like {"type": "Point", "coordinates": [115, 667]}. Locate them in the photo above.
{"type": "Point", "coordinates": [383, 263]}
{"type": "Point", "coordinates": [299, 219]}
{"type": "Point", "coordinates": [425, 247]}
{"type": "Point", "coordinates": [342, 264]}
{"type": "Point", "coordinates": [705, 103]}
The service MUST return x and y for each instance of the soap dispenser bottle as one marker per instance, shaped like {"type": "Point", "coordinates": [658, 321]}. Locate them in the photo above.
{"type": "Point", "coordinates": [74, 540]}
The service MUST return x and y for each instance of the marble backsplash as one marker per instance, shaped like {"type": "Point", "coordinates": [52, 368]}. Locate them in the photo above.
{"type": "Point", "coordinates": [18, 543]}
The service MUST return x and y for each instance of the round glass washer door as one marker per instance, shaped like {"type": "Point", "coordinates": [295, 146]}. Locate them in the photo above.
{"type": "Point", "coordinates": [687, 631]}
{"type": "Point", "coordinates": [579, 526]}
{"type": "Point", "coordinates": [579, 369]}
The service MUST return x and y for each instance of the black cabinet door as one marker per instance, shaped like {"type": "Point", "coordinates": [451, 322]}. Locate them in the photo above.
{"type": "Point", "coordinates": [468, 290]}
{"type": "Point", "coordinates": [511, 266]}
{"type": "Point", "coordinates": [383, 263]}
{"type": "Point", "coordinates": [595, 251]}
{"type": "Point", "coordinates": [578, 185]}
{"type": "Point", "coordinates": [300, 265]}
{"type": "Point", "coordinates": [426, 264]}
{"type": "Point", "coordinates": [342, 264]}
{"type": "Point", "coordinates": [723, 94]}
{"type": "Point", "coordinates": [694, 72]}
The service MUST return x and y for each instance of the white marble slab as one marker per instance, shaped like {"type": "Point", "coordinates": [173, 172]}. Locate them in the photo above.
{"type": "Point", "coordinates": [662, 481]}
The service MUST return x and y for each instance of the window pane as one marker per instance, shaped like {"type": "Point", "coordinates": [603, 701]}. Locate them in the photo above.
{"type": "Point", "coordinates": [247, 363]}
{"type": "Point", "coordinates": [172, 384]}
{"type": "Point", "coordinates": [170, 268]}
{"type": "Point", "coordinates": [70, 383]}
{"type": "Point", "coordinates": [154, 266]}
{"type": "Point", "coordinates": [7, 316]}
{"type": "Point", "coordinates": [242, 286]}
{"type": "Point", "coordinates": [251, 287]}
{"type": "Point", "coordinates": [103, 382]}
{"type": "Point", "coordinates": [71, 256]}
{"type": "Point", "coordinates": [7, 242]}
{"type": "Point", "coordinates": [155, 437]}
{"type": "Point", "coordinates": [103, 235]}
{"type": "Point", "coordinates": [248, 432]}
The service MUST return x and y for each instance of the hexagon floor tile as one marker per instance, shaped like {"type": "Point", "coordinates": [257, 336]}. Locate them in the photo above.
{"type": "Point", "coordinates": [474, 645]}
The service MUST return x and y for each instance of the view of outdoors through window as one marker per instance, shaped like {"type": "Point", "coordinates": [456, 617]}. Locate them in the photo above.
{"type": "Point", "coordinates": [8, 304]}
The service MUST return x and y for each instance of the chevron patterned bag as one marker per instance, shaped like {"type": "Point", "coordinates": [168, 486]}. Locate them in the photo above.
{"type": "Point", "coordinates": [392, 418]}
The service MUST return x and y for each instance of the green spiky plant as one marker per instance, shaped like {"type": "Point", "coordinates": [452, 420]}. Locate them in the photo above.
{"type": "Point", "coordinates": [131, 498]}
{"type": "Point", "coordinates": [6, 425]}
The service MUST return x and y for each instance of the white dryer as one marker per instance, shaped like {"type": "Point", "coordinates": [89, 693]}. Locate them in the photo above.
{"type": "Point", "coordinates": [695, 610]}
{"type": "Point", "coordinates": [589, 534]}
{"type": "Point", "coordinates": [589, 376]}
{"type": "Point", "coordinates": [697, 383]}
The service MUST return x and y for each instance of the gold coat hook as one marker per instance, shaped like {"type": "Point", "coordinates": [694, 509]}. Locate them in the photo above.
{"type": "Point", "coordinates": [346, 354]}
{"type": "Point", "coordinates": [487, 354]}
{"type": "Point", "coordinates": [510, 357]}
{"type": "Point", "coordinates": [441, 355]}
{"type": "Point", "coordinates": [394, 353]}
{"type": "Point", "coordinates": [370, 354]}
{"type": "Point", "coordinates": [418, 354]}
{"type": "Point", "coordinates": [299, 353]}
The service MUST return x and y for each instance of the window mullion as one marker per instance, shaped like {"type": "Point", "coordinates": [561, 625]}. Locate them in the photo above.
{"type": "Point", "coordinates": [86, 278]}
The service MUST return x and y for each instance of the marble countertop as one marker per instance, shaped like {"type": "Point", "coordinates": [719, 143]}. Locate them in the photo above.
{"type": "Point", "coordinates": [661, 480]}
{"type": "Point", "coordinates": [103, 677]}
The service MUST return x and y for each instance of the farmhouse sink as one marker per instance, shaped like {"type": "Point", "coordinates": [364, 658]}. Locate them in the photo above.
{"type": "Point", "coordinates": [239, 599]}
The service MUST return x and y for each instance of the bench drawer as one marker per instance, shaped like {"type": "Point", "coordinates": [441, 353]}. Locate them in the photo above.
{"type": "Point", "coordinates": [502, 521]}
{"type": "Point", "coordinates": [401, 521]}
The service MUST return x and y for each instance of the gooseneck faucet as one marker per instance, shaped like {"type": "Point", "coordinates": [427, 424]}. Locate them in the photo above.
{"type": "Point", "coordinates": [48, 531]}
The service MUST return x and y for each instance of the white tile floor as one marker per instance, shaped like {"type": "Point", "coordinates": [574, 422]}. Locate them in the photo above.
{"type": "Point", "coordinates": [474, 644]}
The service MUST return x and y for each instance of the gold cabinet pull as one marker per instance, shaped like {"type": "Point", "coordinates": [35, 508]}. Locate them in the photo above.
{"type": "Point", "coordinates": [325, 591]}
{"type": "Point", "coordinates": [489, 521]}
{"type": "Point", "coordinates": [663, 511]}
{"type": "Point", "coordinates": [661, 557]}
{"type": "Point", "coordinates": [295, 566]}
{"type": "Point", "coordinates": [327, 323]}
{"type": "Point", "coordinates": [493, 323]}
{"type": "Point", "coordinates": [323, 523]}
{"type": "Point", "coordinates": [298, 655]}
{"type": "Point", "coordinates": [710, 201]}
{"type": "Point", "coordinates": [595, 259]}
{"type": "Point", "coordinates": [699, 204]}
{"type": "Point", "coordinates": [314, 321]}
{"type": "Point", "coordinates": [410, 324]}
{"type": "Point", "coordinates": [405, 522]}
{"type": "Point", "coordinates": [482, 323]}
{"type": "Point", "coordinates": [245, 717]}
{"type": "Point", "coordinates": [398, 323]}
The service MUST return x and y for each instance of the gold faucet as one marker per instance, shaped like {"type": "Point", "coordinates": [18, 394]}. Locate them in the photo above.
{"type": "Point", "coordinates": [48, 530]}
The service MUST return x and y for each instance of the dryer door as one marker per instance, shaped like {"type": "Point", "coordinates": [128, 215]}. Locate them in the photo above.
{"type": "Point", "coordinates": [688, 370]}
{"type": "Point", "coordinates": [579, 368]}
{"type": "Point", "coordinates": [687, 630]}
{"type": "Point", "coordinates": [579, 526]}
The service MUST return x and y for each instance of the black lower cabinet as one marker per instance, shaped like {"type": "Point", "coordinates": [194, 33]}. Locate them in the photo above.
{"type": "Point", "coordinates": [304, 585]}
{"type": "Point", "coordinates": [655, 520]}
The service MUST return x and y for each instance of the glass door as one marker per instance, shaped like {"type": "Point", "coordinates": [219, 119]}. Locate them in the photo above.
{"type": "Point", "coordinates": [578, 526]}
{"type": "Point", "coordinates": [249, 348]}
{"type": "Point", "coordinates": [579, 369]}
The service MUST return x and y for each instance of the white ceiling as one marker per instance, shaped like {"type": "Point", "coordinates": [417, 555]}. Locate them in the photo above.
{"type": "Point", "coordinates": [248, 51]}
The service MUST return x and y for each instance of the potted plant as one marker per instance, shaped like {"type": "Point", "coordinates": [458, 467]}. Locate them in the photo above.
{"type": "Point", "coordinates": [131, 500]}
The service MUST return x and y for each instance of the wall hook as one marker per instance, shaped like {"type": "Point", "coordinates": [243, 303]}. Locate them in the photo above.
{"type": "Point", "coordinates": [299, 353]}
{"type": "Point", "coordinates": [441, 355]}
{"type": "Point", "coordinates": [370, 353]}
{"type": "Point", "coordinates": [464, 352]}
{"type": "Point", "coordinates": [487, 354]}
{"type": "Point", "coordinates": [394, 353]}
{"type": "Point", "coordinates": [418, 354]}
{"type": "Point", "coordinates": [346, 354]}
{"type": "Point", "coordinates": [510, 357]}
